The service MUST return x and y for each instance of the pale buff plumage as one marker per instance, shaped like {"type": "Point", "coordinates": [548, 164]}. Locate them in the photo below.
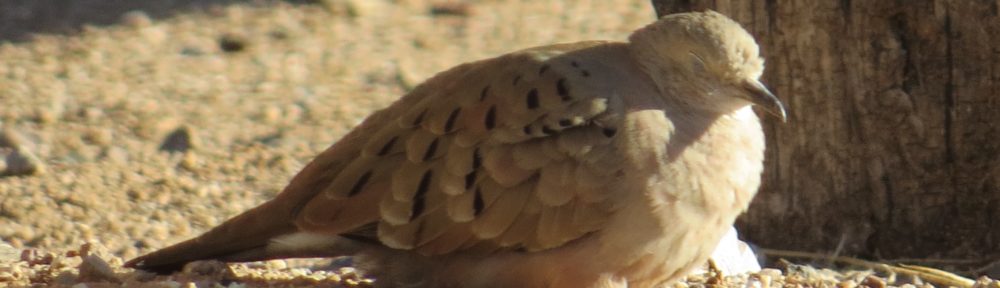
{"type": "Point", "coordinates": [592, 164]}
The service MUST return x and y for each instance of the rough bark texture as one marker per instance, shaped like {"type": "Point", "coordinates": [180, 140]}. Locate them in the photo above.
{"type": "Point", "coordinates": [892, 143]}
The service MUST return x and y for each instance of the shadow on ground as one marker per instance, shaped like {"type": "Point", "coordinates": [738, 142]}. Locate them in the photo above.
{"type": "Point", "coordinates": [19, 19]}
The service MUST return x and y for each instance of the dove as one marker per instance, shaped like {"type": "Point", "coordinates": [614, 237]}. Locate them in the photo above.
{"type": "Point", "coordinates": [589, 164]}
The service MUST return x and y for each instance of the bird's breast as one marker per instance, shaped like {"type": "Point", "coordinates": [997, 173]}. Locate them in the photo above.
{"type": "Point", "coordinates": [717, 165]}
{"type": "Point", "coordinates": [686, 187]}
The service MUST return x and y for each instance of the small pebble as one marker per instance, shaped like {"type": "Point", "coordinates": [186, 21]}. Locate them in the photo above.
{"type": "Point", "coordinates": [45, 116]}
{"type": "Point", "coordinates": [986, 282]}
{"type": "Point", "coordinates": [460, 9]}
{"type": "Point", "coordinates": [206, 268]}
{"type": "Point", "coordinates": [36, 257]}
{"type": "Point", "coordinates": [770, 272]}
{"type": "Point", "coordinates": [270, 114]}
{"type": "Point", "coordinates": [351, 8]}
{"type": "Point", "coordinates": [761, 279]}
{"type": "Point", "coordinates": [115, 154]}
{"type": "Point", "coordinates": [191, 51]}
{"type": "Point", "coordinates": [190, 161]}
{"type": "Point", "coordinates": [847, 284]}
{"type": "Point", "coordinates": [181, 140]}
{"type": "Point", "coordinates": [91, 113]}
{"type": "Point", "coordinates": [873, 282]}
{"type": "Point", "coordinates": [9, 254]}
{"type": "Point", "coordinates": [136, 19]}
{"type": "Point", "coordinates": [99, 136]}
{"type": "Point", "coordinates": [276, 264]}
{"type": "Point", "coordinates": [11, 139]}
{"type": "Point", "coordinates": [16, 158]}
{"type": "Point", "coordinates": [95, 269]}
{"type": "Point", "coordinates": [232, 43]}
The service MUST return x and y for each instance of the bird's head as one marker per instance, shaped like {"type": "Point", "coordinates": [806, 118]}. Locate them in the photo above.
{"type": "Point", "coordinates": [705, 54]}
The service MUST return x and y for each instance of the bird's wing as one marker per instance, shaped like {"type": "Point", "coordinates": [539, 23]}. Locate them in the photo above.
{"type": "Point", "coordinates": [510, 152]}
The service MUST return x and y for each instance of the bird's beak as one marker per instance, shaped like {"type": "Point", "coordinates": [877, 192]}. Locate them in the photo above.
{"type": "Point", "coordinates": [760, 96]}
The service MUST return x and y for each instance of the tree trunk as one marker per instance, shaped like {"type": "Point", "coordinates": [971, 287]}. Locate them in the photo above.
{"type": "Point", "coordinates": [891, 146]}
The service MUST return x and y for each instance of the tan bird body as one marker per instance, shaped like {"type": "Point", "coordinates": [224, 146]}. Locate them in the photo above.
{"type": "Point", "coordinates": [592, 164]}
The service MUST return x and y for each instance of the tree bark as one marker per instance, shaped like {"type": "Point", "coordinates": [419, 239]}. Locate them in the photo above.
{"type": "Point", "coordinates": [892, 147]}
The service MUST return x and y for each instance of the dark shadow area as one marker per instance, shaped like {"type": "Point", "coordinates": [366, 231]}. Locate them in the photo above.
{"type": "Point", "coordinates": [20, 19]}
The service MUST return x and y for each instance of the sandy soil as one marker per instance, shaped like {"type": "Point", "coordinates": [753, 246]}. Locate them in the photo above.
{"type": "Point", "coordinates": [123, 139]}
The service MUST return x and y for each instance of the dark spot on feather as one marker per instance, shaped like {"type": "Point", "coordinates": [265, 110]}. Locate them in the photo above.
{"type": "Point", "coordinates": [367, 233]}
{"type": "Point", "coordinates": [477, 160]}
{"type": "Point", "coordinates": [477, 202]}
{"type": "Point", "coordinates": [543, 69]}
{"type": "Point", "coordinates": [565, 122]}
{"type": "Point", "coordinates": [360, 184]}
{"type": "Point", "coordinates": [517, 79]}
{"type": "Point", "coordinates": [388, 146]}
{"type": "Point", "coordinates": [526, 129]}
{"type": "Point", "coordinates": [419, 197]}
{"type": "Point", "coordinates": [420, 118]}
{"type": "Point", "coordinates": [585, 73]}
{"type": "Point", "coordinates": [418, 208]}
{"type": "Point", "coordinates": [533, 99]}
{"type": "Point", "coordinates": [491, 118]}
{"type": "Point", "coordinates": [574, 64]}
{"type": "Point", "coordinates": [562, 89]}
{"type": "Point", "coordinates": [431, 149]}
{"type": "Point", "coordinates": [482, 95]}
{"type": "Point", "coordinates": [548, 131]}
{"type": "Point", "coordinates": [448, 125]}
{"type": "Point", "coordinates": [470, 179]}
{"type": "Point", "coordinates": [419, 234]}
{"type": "Point", "coordinates": [609, 132]}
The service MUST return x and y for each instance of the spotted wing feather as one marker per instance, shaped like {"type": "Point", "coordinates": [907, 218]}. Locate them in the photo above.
{"type": "Point", "coordinates": [481, 157]}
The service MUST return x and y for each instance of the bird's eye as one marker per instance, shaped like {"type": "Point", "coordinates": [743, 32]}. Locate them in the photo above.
{"type": "Point", "coordinates": [697, 63]}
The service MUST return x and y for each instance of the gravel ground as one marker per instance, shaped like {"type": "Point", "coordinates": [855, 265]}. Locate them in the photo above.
{"type": "Point", "coordinates": [119, 140]}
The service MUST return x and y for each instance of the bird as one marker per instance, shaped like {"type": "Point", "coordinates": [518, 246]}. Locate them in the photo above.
{"type": "Point", "coordinates": [588, 164]}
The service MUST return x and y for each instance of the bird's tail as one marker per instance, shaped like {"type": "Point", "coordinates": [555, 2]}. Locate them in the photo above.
{"type": "Point", "coordinates": [250, 236]}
